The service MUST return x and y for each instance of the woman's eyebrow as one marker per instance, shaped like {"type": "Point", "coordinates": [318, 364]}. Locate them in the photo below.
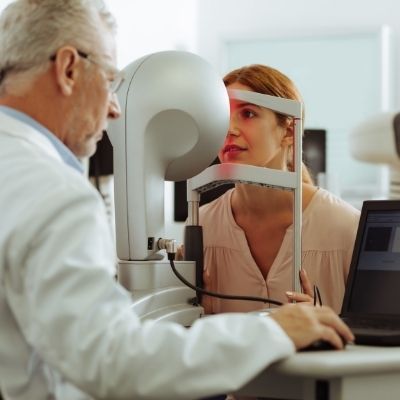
{"type": "Point", "coordinates": [242, 105]}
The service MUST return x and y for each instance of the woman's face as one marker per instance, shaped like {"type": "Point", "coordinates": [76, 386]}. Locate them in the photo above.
{"type": "Point", "coordinates": [254, 136]}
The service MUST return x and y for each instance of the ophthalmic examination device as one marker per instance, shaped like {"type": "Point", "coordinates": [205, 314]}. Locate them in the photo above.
{"type": "Point", "coordinates": [174, 119]}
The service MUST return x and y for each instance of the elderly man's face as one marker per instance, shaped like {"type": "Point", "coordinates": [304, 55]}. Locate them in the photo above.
{"type": "Point", "coordinates": [95, 102]}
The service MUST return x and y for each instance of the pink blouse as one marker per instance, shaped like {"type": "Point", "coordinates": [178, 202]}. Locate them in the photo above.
{"type": "Point", "coordinates": [328, 234]}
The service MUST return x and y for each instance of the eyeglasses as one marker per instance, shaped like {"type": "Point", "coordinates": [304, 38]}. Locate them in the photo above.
{"type": "Point", "coordinates": [118, 76]}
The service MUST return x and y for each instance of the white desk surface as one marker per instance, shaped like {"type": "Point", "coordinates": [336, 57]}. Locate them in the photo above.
{"type": "Point", "coordinates": [358, 372]}
{"type": "Point", "coordinates": [331, 363]}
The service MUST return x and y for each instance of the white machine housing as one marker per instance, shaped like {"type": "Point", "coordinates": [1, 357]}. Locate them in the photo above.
{"type": "Point", "coordinates": [175, 115]}
{"type": "Point", "coordinates": [174, 118]}
{"type": "Point", "coordinates": [377, 140]}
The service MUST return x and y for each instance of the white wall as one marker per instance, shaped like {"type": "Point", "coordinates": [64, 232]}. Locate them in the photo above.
{"type": "Point", "coordinates": [153, 25]}
{"type": "Point", "coordinates": [4, 3]}
{"type": "Point", "coordinates": [219, 20]}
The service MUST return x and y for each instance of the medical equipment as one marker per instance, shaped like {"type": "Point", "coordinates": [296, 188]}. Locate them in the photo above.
{"type": "Point", "coordinates": [174, 118]}
{"type": "Point", "coordinates": [235, 173]}
{"type": "Point", "coordinates": [175, 114]}
{"type": "Point", "coordinates": [377, 140]}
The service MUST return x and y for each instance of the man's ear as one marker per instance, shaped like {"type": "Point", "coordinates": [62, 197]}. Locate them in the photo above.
{"type": "Point", "coordinates": [66, 63]}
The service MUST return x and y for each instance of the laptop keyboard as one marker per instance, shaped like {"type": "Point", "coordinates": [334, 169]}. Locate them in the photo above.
{"type": "Point", "coordinates": [367, 323]}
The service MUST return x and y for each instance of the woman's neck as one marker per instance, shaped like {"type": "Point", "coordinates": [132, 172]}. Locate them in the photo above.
{"type": "Point", "coordinates": [259, 202]}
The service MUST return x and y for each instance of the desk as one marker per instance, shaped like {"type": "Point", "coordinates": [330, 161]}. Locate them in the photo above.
{"type": "Point", "coordinates": [356, 373]}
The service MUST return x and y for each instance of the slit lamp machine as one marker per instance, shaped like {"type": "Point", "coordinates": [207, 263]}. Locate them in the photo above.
{"type": "Point", "coordinates": [174, 119]}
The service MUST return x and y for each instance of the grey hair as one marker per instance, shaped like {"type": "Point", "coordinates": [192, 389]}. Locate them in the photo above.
{"type": "Point", "coordinates": [32, 30]}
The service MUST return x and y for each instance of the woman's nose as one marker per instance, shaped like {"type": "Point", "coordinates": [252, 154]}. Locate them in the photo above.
{"type": "Point", "coordinates": [234, 123]}
{"type": "Point", "coordinates": [233, 129]}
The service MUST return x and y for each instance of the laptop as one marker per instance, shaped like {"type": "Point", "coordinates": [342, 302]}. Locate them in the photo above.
{"type": "Point", "coordinates": [371, 305]}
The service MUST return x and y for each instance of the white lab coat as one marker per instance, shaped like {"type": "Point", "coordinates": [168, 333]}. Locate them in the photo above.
{"type": "Point", "coordinates": [66, 328]}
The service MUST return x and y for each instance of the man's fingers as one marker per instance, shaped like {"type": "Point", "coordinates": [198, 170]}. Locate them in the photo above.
{"type": "Point", "coordinates": [327, 317]}
{"type": "Point", "coordinates": [330, 335]}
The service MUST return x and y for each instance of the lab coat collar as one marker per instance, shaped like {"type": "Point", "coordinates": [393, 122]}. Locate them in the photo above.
{"type": "Point", "coordinates": [65, 154]}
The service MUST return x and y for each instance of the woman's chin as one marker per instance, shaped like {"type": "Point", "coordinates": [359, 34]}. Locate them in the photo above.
{"type": "Point", "coordinates": [234, 157]}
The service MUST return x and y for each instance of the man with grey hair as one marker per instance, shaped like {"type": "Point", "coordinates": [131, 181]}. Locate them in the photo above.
{"type": "Point", "coordinates": [67, 329]}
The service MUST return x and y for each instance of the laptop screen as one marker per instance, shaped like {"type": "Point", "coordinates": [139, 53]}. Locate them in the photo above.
{"type": "Point", "coordinates": [375, 269]}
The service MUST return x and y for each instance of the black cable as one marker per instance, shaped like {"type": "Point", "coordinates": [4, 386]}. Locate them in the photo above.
{"type": "Point", "coordinates": [171, 257]}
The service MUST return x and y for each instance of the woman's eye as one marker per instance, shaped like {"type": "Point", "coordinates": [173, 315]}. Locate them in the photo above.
{"type": "Point", "coordinates": [247, 113]}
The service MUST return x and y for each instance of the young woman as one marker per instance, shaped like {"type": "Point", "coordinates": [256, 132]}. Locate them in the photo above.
{"type": "Point", "coordinates": [248, 231]}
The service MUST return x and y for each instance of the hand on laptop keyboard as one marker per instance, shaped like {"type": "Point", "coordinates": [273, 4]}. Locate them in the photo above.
{"type": "Point", "coordinates": [306, 325]}
{"type": "Point", "coordinates": [319, 345]}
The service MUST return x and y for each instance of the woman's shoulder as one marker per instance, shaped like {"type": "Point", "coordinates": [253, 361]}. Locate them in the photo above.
{"type": "Point", "coordinates": [331, 219]}
{"type": "Point", "coordinates": [331, 206]}
{"type": "Point", "coordinates": [217, 209]}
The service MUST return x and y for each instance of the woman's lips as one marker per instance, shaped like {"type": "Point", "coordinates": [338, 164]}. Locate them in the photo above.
{"type": "Point", "coordinates": [232, 148]}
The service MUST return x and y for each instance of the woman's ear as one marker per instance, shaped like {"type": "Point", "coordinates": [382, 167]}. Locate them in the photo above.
{"type": "Point", "coordinates": [288, 136]}
{"type": "Point", "coordinates": [66, 62]}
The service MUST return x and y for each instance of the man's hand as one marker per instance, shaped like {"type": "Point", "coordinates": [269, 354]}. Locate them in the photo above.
{"type": "Point", "coordinates": [305, 324]}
